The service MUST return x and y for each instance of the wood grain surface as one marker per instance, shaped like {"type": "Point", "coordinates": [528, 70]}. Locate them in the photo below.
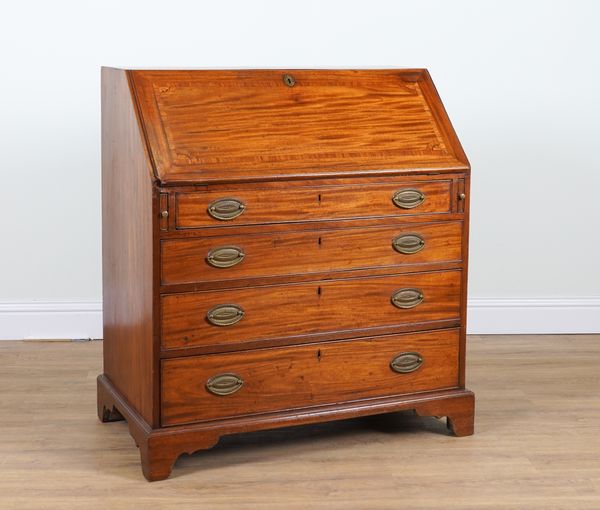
{"type": "Point", "coordinates": [311, 163]}
{"type": "Point", "coordinates": [535, 447]}
{"type": "Point", "coordinates": [291, 253]}
{"type": "Point", "coordinates": [301, 203]}
{"type": "Point", "coordinates": [127, 248]}
{"type": "Point", "coordinates": [228, 125]}
{"type": "Point", "coordinates": [308, 375]}
{"type": "Point", "coordinates": [280, 311]}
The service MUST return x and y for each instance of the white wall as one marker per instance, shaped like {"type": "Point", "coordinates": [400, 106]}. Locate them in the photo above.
{"type": "Point", "coordinates": [520, 80]}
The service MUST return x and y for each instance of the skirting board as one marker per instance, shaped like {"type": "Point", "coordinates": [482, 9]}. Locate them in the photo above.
{"type": "Point", "coordinates": [533, 315]}
{"type": "Point", "coordinates": [486, 316]}
{"type": "Point", "coordinates": [51, 320]}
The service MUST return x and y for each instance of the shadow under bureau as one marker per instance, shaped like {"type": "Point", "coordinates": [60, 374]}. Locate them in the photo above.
{"type": "Point", "coordinates": [280, 247]}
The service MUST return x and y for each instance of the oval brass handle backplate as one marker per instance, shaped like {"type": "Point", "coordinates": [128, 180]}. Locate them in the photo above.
{"type": "Point", "coordinates": [406, 362]}
{"type": "Point", "coordinates": [224, 384]}
{"type": "Point", "coordinates": [408, 243]}
{"type": "Point", "coordinates": [226, 208]}
{"type": "Point", "coordinates": [225, 256]}
{"type": "Point", "coordinates": [407, 298]}
{"type": "Point", "coordinates": [408, 198]}
{"type": "Point", "coordinates": [225, 315]}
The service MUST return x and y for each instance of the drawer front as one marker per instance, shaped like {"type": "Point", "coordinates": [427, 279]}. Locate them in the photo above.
{"type": "Point", "coordinates": [280, 311]}
{"type": "Point", "coordinates": [243, 256]}
{"type": "Point", "coordinates": [200, 388]}
{"type": "Point", "coordinates": [271, 205]}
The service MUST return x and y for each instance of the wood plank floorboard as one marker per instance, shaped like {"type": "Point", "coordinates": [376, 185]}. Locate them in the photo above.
{"type": "Point", "coordinates": [536, 443]}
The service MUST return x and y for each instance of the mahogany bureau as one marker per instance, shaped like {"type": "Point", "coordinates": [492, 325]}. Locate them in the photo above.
{"type": "Point", "coordinates": [280, 247]}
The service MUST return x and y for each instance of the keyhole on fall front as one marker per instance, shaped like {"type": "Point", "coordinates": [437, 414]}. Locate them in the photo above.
{"type": "Point", "coordinates": [319, 355]}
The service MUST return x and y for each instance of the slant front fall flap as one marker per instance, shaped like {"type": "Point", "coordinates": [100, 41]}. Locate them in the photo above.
{"type": "Point", "coordinates": [205, 126]}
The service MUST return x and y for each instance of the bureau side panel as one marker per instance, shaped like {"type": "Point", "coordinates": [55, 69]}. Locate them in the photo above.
{"type": "Point", "coordinates": [127, 255]}
{"type": "Point", "coordinates": [464, 187]}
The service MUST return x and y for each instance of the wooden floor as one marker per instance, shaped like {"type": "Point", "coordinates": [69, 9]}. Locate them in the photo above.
{"type": "Point", "coordinates": [536, 445]}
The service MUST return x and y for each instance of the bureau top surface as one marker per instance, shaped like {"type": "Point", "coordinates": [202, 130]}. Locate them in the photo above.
{"type": "Point", "coordinates": [250, 125]}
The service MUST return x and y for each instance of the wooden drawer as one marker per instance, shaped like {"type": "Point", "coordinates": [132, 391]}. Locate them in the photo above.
{"type": "Point", "coordinates": [250, 206]}
{"type": "Point", "coordinates": [281, 378]}
{"type": "Point", "coordinates": [288, 253]}
{"type": "Point", "coordinates": [281, 311]}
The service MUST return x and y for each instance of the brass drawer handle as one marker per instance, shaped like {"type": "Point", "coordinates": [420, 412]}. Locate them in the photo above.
{"type": "Point", "coordinates": [408, 243]}
{"type": "Point", "coordinates": [225, 315]}
{"type": "Point", "coordinates": [225, 256]}
{"type": "Point", "coordinates": [408, 198]}
{"type": "Point", "coordinates": [224, 384]}
{"type": "Point", "coordinates": [406, 362]}
{"type": "Point", "coordinates": [407, 298]}
{"type": "Point", "coordinates": [226, 208]}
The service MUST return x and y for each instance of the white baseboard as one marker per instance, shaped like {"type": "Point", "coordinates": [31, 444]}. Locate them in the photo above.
{"type": "Point", "coordinates": [51, 320]}
{"type": "Point", "coordinates": [533, 315]}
